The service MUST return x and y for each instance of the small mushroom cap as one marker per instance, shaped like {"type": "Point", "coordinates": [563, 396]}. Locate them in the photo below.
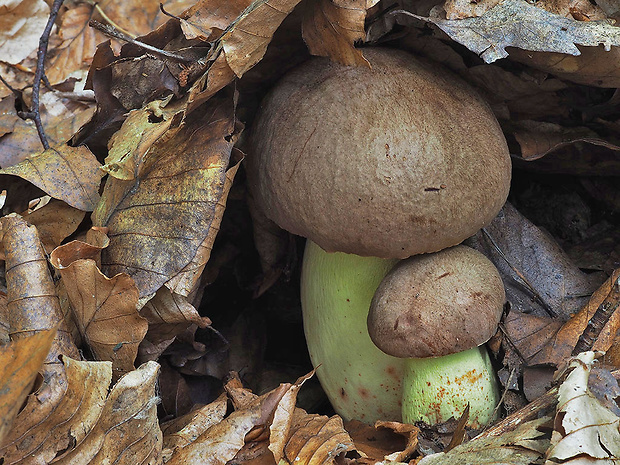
{"type": "Point", "coordinates": [363, 160]}
{"type": "Point", "coordinates": [437, 304]}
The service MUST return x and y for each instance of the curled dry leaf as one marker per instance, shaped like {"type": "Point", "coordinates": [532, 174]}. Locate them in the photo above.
{"type": "Point", "coordinates": [583, 428]}
{"type": "Point", "coordinates": [21, 23]}
{"type": "Point", "coordinates": [207, 19]}
{"type": "Point", "coordinates": [104, 309]}
{"type": "Point", "coordinates": [517, 23]}
{"type": "Point", "coordinates": [42, 435]}
{"type": "Point", "coordinates": [67, 173]}
{"type": "Point", "coordinates": [243, 44]}
{"type": "Point", "coordinates": [20, 361]}
{"type": "Point", "coordinates": [126, 431]}
{"type": "Point", "coordinates": [74, 53]}
{"type": "Point", "coordinates": [157, 222]}
{"type": "Point", "coordinates": [331, 27]}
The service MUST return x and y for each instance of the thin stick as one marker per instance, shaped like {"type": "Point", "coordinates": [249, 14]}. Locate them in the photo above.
{"type": "Point", "coordinates": [35, 113]}
{"type": "Point", "coordinates": [113, 32]}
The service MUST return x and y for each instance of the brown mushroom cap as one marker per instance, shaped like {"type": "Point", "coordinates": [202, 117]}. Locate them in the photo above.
{"type": "Point", "coordinates": [401, 159]}
{"type": "Point", "coordinates": [437, 304]}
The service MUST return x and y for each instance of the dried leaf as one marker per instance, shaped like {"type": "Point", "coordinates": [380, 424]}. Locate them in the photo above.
{"type": "Point", "coordinates": [55, 222]}
{"type": "Point", "coordinates": [207, 19]}
{"type": "Point", "coordinates": [67, 173]}
{"type": "Point", "coordinates": [21, 23]}
{"type": "Point", "coordinates": [158, 222]}
{"type": "Point", "coordinates": [127, 430]}
{"type": "Point", "coordinates": [104, 309]}
{"type": "Point", "coordinates": [182, 431]}
{"type": "Point", "coordinates": [517, 23]}
{"type": "Point", "coordinates": [583, 427]}
{"type": "Point", "coordinates": [459, 9]}
{"type": "Point", "coordinates": [331, 27]}
{"type": "Point", "coordinates": [20, 362]}
{"type": "Point", "coordinates": [133, 140]}
{"type": "Point", "coordinates": [63, 420]}
{"type": "Point", "coordinates": [523, 446]}
{"type": "Point", "coordinates": [221, 442]}
{"type": "Point", "coordinates": [77, 44]}
{"type": "Point", "coordinates": [563, 289]}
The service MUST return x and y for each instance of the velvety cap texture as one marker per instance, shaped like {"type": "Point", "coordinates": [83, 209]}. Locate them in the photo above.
{"type": "Point", "coordinates": [437, 304]}
{"type": "Point", "coordinates": [401, 159]}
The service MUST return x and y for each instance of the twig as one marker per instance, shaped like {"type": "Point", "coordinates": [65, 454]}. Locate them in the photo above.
{"type": "Point", "coordinates": [35, 113]}
{"type": "Point", "coordinates": [599, 319]}
{"type": "Point", "coordinates": [8, 86]}
{"type": "Point", "coordinates": [113, 32]}
{"type": "Point", "coordinates": [529, 285]}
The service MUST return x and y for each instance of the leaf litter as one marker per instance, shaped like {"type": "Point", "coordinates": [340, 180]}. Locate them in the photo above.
{"type": "Point", "coordinates": [167, 133]}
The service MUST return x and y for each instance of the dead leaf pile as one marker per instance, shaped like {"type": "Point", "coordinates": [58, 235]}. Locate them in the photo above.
{"type": "Point", "coordinates": [111, 239]}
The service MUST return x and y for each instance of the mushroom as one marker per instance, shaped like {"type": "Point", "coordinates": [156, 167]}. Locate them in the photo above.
{"type": "Point", "coordinates": [399, 159]}
{"type": "Point", "coordinates": [437, 311]}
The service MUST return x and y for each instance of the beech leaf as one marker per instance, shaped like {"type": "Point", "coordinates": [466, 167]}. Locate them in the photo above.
{"type": "Point", "coordinates": [21, 23]}
{"type": "Point", "coordinates": [67, 173]}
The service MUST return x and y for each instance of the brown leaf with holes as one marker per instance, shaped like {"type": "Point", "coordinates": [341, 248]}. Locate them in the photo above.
{"type": "Point", "coordinates": [20, 362]}
{"type": "Point", "coordinates": [73, 55]}
{"type": "Point", "coordinates": [104, 309]}
{"type": "Point", "coordinates": [158, 222]}
{"type": "Point", "coordinates": [331, 27]}
{"type": "Point", "coordinates": [67, 173]}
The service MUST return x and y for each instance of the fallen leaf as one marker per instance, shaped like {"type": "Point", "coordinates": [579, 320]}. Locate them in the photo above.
{"type": "Point", "coordinates": [20, 362]}
{"type": "Point", "coordinates": [524, 445]}
{"type": "Point", "coordinates": [21, 23]}
{"type": "Point", "coordinates": [55, 222]}
{"type": "Point", "coordinates": [126, 431]}
{"type": "Point", "coordinates": [104, 309]}
{"type": "Point", "coordinates": [207, 19]}
{"type": "Point", "coordinates": [67, 173]}
{"type": "Point", "coordinates": [158, 221]}
{"type": "Point", "coordinates": [517, 23]}
{"type": "Point", "coordinates": [583, 428]}
{"type": "Point", "coordinates": [331, 27]}
{"type": "Point", "coordinates": [460, 9]}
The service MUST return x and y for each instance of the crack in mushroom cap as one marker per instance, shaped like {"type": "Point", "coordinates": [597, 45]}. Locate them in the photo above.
{"type": "Point", "coordinates": [437, 304]}
{"type": "Point", "coordinates": [393, 161]}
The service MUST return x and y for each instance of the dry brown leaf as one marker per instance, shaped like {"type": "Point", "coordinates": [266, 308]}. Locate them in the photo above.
{"type": "Point", "coordinates": [104, 309]}
{"type": "Point", "coordinates": [585, 431]}
{"type": "Point", "coordinates": [158, 222]}
{"type": "Point", "coordinates": [44, 433]}
{"type": "Point", "coordinates": [67, 173]}
{"type": "Point", "coordinates": [63, 120]}
{"type": "Point", "coordinates": [186, 282]}
{"type": "Point", "coordinates": [8, 116]}
{"type": "Point", "coordinates": [316, 439]}
{"type": "Point", "coordinates": [207, 19]}
{"type": "Point", "coordinates": [77, 42]}
{"type": "Point", "coordinates": [331, 27]}
{"type": "Point", "coordinates": [559, 348]}
{"type": "Point", "coordinates": [221, 442]}
{"type": "Point", "coordinates": [141, 129]}
{"type": "Point", "coordinates": [21, 23]}
{"type": "Point", "coordinates": [169, 314]}
{"type": "Point", "coordinates": [4, 320]}
{"type": "Point", "coordinates": [31, 299]}
{"type": "Point", "coordinates": [580, 10]}
{"type": "Point", "coordinates": [55, 222]}
{"type": "Point", "coordinates": [372, 442]}
{"type": "Point", "coordinates": [410, 433]}
{"type": "Point", "coordinates": [242, 46]}
{"type": "Point", "coordinates": [182, 431]}
{"type": "Point", "coordinates": [562, 287]}
{"type": "Point", "coordinates": [127, 431]}
{"type": "Point", "coordinates": [460, 9]}
{"type": "Point", "coordinates": [20, 362]}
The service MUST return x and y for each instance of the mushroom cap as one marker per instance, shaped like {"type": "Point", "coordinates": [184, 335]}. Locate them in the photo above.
{"type": "Point", "coordinates": [401, 159]}
{"type": "Point", "coordinates": [437, 304]}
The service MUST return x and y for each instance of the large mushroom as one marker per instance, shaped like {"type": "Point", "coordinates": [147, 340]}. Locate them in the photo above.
{"type": "Point", "coordinates": [436, 311]}
{"type": "Point", "coordinates": [400, 159]}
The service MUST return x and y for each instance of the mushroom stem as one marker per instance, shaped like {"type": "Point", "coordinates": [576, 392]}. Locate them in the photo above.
{"type": "Point", "coordinates": [441, 387]}
{"type": "Point", "coordinates": [360, 381]}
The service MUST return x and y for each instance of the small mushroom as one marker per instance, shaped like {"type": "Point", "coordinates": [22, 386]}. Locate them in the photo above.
{"type": "Point", "coordinates": [391, 161]}
{"type": "Point", "coordinates": [436, 311]}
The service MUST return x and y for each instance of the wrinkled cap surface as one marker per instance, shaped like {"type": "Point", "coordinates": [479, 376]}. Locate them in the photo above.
{"type": "Point", "coordinates": [437, 304]}
{"type": "Point", "coordinates": [401, 159]}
